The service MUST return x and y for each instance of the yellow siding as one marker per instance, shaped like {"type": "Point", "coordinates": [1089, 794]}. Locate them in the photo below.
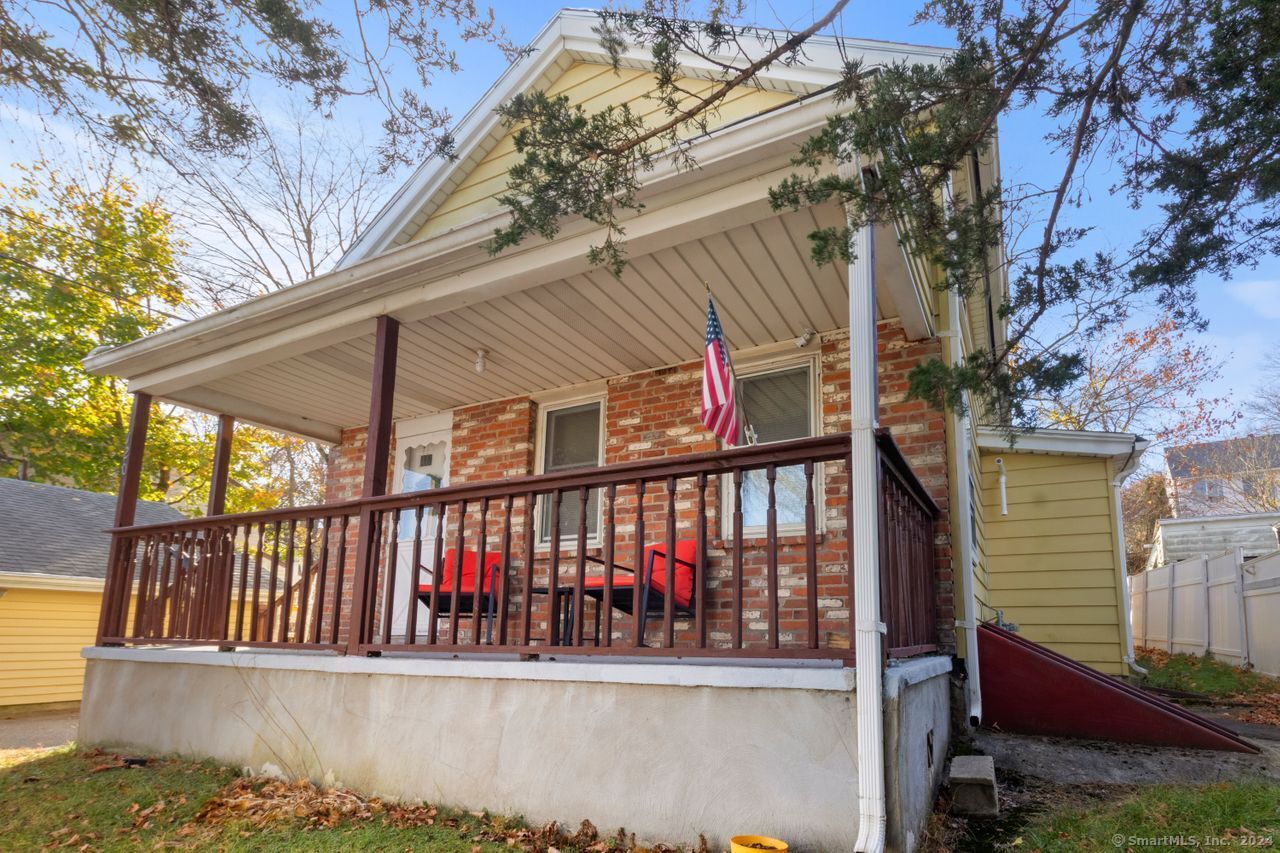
{"type": "Point", "coordinates": [1052, 560]}
{"type": "Point", "coordinates": [41, 635]}
{"type": "Point", "coordinates": [595, 87]}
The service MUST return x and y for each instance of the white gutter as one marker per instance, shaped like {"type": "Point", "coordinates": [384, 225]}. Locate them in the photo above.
{"type": "Point", "coordinates": [1128, 467]}
{"type": "Point", "coordinates": [973, 685]}
{"type": "Point", "coordinates": [961, 431]}
{"type": "Point", "coordinates": [864, 549]}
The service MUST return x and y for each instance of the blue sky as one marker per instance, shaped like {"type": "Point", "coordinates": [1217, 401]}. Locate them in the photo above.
{"type": "Point", "coordinates": [1243, 314]}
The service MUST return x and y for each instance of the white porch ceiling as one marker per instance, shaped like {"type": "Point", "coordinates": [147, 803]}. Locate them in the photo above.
{"type": "Point", "coordinates": [583, 328]}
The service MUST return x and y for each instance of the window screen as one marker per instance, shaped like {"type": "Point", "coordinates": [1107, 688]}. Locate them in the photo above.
{"type": "Point", "coordinates": [571, 440]}
{"type": "Point", "coordinates": [778, 406]}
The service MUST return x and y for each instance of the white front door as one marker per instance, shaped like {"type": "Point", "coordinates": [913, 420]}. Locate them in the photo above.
{"type": "Point", "coordinates": [422, 462]}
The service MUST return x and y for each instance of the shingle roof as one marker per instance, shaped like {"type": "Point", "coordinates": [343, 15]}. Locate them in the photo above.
{"type": "Point", "coordinates": [59, 531]}
{"type": "Point", "coordinates": [1229, 456]}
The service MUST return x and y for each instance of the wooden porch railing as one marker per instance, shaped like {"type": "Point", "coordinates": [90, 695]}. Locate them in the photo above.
{"type": "Point", "coordinates": [760, 568]}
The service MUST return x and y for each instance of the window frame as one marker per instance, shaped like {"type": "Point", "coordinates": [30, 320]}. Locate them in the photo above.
{"type": "Point", "coordinates": [542, 538]}
{"type": "Point", "coordinates": [763, 366]}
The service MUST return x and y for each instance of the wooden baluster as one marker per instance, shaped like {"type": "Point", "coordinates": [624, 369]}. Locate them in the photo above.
{"type": "Point", "coordinates": [811, 553]}
{"type": "Point", "coordinates": [553, 573]}
{"type": "Point", "coordinates": [257, 584]}
{"type": "Point", "coordinates": [149, 555]}
{"type": "Point", "coordinates": [771, 552]}
{"type": "Point", "coordinates": [669, 574]}
{"type": "Point", "coordinates": [287, 608]}
{"type": "Point", "coordinates": [579, 595]}
{"type": "Point", "coordinates": [415, 573]}
{"type": "Point", "coordinates": [700, 566]}
{"type": "Point", "coordinates": [737, 558]}
{"type": "Point", "coordinates": [503, 581]}
{"type": "Point", "coordinates": [322, 578]}
{"type": "Point", "coordinates": [243, 587]}
{"type": "Point", "coordinates": [611, 495]}
{"type": "Point", "coordinates": [271, 582]}
{"type": "Point", "coordinates": [389, 585]}
{"type": "Point", "coordinates": [159, 606]}
{"type": "Point", "coordinates": [455, 604]}
{"type": "Point", "coordinates": [437, 574]}
{"type": "Point", "coordinates": [482, 568]}
{"type": "Point", "coordinates": [304, 594]}
{"type": "Point", "coordinates": [637, 613]}
{"type": "Point", "coordinates": [339, 575]}
{"type": "Point", "coordinates": [530, 537]}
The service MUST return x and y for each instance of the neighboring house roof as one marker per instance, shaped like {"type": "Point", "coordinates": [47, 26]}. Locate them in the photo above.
{"type": "Point", "coordinates": [1229, 456]}
{"type": "Point", "coordinates": [53, 530]}
{"type": "Point", "coordinates": [1182, 538]}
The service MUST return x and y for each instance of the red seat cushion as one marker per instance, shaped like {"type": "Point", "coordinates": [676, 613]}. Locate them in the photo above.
{"type": "Point", "coordinates": [468, 580]}
{"type": "Point", "coordinates": [686, 559]}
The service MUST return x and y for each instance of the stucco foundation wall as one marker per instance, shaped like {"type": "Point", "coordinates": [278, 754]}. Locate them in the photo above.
{"type": "Point", "coordinates": [917, 735]}
{"type": "Point", "coordinates": [696, 749]}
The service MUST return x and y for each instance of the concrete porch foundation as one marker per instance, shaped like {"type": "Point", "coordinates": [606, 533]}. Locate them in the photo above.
{"type": "Point", "coordinates": [667, 750]}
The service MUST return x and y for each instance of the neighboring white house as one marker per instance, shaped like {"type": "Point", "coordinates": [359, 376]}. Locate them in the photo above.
{"type": "Point", "coordinates": [1181, 538]}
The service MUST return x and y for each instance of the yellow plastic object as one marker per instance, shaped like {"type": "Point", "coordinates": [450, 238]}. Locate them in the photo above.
{"type": "Point", "coordinates": [754, 843]}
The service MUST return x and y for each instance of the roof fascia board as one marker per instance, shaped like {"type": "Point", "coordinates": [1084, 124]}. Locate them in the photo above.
{"type": "Point", "coordinates": [768, 136]}
{"type": "Point", "coordinates": [1073, 442]}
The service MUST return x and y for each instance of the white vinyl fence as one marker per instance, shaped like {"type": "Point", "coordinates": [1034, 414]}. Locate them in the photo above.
{"type": "Point", "coordinates": [1223, 605]}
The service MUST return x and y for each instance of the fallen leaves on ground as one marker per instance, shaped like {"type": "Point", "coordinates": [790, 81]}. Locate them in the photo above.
{"type": "Point", "coordinates": [1261, 708]}
{"type": "Point", "coordinates": [259, 802]}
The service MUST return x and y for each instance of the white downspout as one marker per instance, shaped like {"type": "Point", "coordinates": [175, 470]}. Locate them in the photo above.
{"type": "Point", "coordinates": [1131, 465]}
{"type": "Point", "coordinates": [955, 307]}
{"type": "Point", "coordinates": [962, 427]}
{"type": "Point", "coordinates": [864, 549]}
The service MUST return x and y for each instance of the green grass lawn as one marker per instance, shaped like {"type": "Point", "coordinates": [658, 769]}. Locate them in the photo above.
{"type": "Point", "coordinates": [62, 798]}
{"type": "Point", "coordinates": [1202, 675]}
{"type": "Point", "coordinates": [1236, 815]}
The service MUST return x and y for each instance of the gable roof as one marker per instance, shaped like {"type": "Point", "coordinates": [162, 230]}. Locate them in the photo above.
{"type": "Point", "coordinates": [570, 38]}
{"type": "Point", "coordinates": [1229, 456]}
{"type": "Point", "coordinates": [53, 530]}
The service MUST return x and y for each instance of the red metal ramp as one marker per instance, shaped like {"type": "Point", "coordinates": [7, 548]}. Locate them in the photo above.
{"type": "Point", "coordinates": [1030, 689]}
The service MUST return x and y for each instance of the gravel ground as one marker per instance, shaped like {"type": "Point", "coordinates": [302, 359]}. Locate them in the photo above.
{"type": "Point", "coordinates": [1067, 761]}
{"type": "Point", "coordinates": [38, 730]}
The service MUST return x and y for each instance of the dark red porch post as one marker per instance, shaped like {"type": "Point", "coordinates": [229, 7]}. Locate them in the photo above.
{"type": "Point", "coordinates": [377, 454]}
{"type": "Point", "coordinates": [115, 590]}
{"type": "Point", "coordinates": [221, 465]}
{"type": "Point", "coordinates": [222, 549]}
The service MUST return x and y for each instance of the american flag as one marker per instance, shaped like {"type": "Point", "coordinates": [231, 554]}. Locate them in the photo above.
{"type": "Point", "coordinates": [719, 408]}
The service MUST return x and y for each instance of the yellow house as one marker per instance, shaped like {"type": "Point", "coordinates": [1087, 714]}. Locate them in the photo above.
{"type": "Point", "coordinates": [53, 555]}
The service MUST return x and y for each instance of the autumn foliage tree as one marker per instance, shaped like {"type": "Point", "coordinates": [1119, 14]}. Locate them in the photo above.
{"type": "Point", "coordinates": [88, 266]}
{"type": "Point", "coordinates": [1148, 380]}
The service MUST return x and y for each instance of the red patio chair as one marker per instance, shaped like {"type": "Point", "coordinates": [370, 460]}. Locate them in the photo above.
{"type": "Point", "coordinates": [466, 587]}
{"type": "Point", "coordinates": [653, 589]}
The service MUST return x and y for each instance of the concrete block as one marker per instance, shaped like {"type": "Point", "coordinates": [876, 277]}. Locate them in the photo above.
{"type": "Point", "coordinates": [973, 785]}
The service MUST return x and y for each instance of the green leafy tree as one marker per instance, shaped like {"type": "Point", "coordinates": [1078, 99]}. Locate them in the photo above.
{"type": "Point", "coordinates": [82, 268]}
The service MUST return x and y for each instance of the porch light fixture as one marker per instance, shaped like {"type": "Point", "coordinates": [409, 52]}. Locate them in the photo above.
{"type": "Point", "coordinates": [482, 360]}
{"type": "Point", "coordinates": [805, 337]}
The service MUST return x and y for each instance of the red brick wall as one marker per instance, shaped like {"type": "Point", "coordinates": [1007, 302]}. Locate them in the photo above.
{"type": "Point", "coordinates": [654, 414]}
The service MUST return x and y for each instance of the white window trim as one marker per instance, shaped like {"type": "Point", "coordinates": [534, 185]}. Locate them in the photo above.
{"type": "Point", "coordinates": [542, 538]}
{"type": "Point", "coordinates": [760, 366]}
